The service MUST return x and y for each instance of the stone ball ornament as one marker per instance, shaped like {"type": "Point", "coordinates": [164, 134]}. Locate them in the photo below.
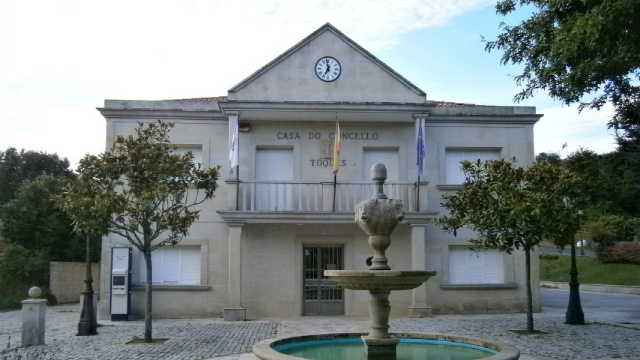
{"type": "Point", "coordinates": [35, 292]}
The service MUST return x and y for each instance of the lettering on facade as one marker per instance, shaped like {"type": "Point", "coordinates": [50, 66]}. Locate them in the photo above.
{"type": "Point", "coordinates": [288, 135]}
{"type": "Point", "coordinates": [317, 136]}
{"type": "Point", "coordinates": [326, 162]}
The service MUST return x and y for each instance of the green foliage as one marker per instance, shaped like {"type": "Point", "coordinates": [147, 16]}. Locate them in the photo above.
{"type": "Point", "coordinates": [21, 266]}
{"type": "Point", "coordinates": [611, 181]}
{"type": "Point", "coordinates": [141, 191]}
{"type": "Point", "coordinates": [33, 221]}
{"type": "Point", "coordinates": [574, 48]}
{"type": "Point", "coordinates": [514, 207]}
{"type": "Point", "coordinates": [552, 157]}
{"type": "Point", "coordinates": [16, 167]}
{"type": "Point", "coordinates": [9, 304]}
{"type": "Point", "coordinates": [511, 207]}
{"type": "Point", "coordinates": [592, 271]}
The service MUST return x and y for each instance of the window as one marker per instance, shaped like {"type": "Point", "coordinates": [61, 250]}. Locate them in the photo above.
{"type": "Point", "coordinates": [177, 265]}
{"type": "Point", "coordinates": [276, 166]}
{"type": "Point", "coordinates": [388, 157]}
{"type": "Point", "coordinates": [453, 157]}
{"type": "Point", "coordinates": [467, 266]}
{"type": "Point", "coordinates": [196, 151]}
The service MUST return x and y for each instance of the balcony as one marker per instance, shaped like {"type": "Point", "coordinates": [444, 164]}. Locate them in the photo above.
{"type": "Point", "coordinates": [281, 201]}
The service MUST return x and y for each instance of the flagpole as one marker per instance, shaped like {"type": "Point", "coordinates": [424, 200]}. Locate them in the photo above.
{"type": "Point", "coordinates": [420, 159]}
{"type": "Point", "coordinates": [335, 180]}
{"type": "Point", "coordinates": [336, 161]}
{"type": "Point", "coordinates": [418, 196]}
{"type": "Point", "coordinates": [238, 170]}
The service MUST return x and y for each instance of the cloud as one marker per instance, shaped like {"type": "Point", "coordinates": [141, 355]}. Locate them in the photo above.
{"type": "Point", "coordinates": [564, 124]}
{"type": "Point", "coordinates": [61, 59]}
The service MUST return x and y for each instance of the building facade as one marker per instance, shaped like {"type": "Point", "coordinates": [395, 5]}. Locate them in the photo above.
{"type": "Point", "coordinates": [280, 219]}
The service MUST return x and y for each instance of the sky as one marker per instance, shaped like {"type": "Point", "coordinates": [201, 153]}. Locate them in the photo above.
{"type": "Point", "coordinates": [59, 60]}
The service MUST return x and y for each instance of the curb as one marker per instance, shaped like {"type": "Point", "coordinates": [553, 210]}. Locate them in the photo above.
{"type": "Point", "coordinates": [613, 289]}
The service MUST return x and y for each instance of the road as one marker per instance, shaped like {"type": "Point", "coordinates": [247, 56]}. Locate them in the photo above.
{"type": "Point", "coordinates": [597, 307]}
{"type": "Point", "coordinates": [551, 249]}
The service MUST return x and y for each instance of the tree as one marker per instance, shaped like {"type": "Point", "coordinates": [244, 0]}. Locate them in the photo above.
{"type": "Point", "coordinates": [512, 208]}
{"type": "Point", "coordinates": [15, 167]}
{"type": "Point", "coordinates": [574, 48]}
{"type": "Point", "coordinates": [141, 191]}
{"type": "Point", "coordinates": [33, 221]}
{"type": "Point", "coordinates": [550, 157]}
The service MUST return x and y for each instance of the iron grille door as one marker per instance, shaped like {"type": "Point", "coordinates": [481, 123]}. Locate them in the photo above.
{"type": "Point", "coordinates": [322, 296]}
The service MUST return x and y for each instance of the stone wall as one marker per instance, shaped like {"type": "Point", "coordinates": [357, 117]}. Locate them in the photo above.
{"type": "Point", "coordinates": [67, 280]}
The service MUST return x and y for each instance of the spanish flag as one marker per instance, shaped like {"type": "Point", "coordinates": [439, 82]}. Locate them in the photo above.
{"type": "Point", "coordinates": [336, 149]}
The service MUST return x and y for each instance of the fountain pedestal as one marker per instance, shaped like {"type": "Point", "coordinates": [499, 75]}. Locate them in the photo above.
{"type": "Point", "coordinates": [379, 343]}
{"type": "Point", "coordinates": [378, 217]}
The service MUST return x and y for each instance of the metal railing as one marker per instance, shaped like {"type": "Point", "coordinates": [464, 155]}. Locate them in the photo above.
{"type": "Point", "coordinates": [317, 197]}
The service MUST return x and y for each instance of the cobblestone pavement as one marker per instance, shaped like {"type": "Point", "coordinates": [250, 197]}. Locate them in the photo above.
{"type": "Point", "coordinates": [188, 339]}
{"type": "Point", "coordinates": [607, 335]}
{"type": "Point", "coordinates": [560, 341]}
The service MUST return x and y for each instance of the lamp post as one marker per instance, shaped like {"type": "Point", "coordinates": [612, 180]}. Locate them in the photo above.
{"type": "Point", "coordinates": [87, 325]}
{"type": "Point", "coordinates": [575, 315]}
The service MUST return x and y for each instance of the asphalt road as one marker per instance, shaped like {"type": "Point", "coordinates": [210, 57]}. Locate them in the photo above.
{"type": "Point", "coordinates": [550, 249]}
{"type": "Point", "coordinates": [597, 307]}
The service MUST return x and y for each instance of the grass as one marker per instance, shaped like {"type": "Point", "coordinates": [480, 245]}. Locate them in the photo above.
{"type": "Point", "coordinates": [555, 267]}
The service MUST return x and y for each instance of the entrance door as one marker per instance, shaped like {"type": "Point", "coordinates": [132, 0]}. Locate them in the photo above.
{"type": "Point", "coordinates": [322, 296]}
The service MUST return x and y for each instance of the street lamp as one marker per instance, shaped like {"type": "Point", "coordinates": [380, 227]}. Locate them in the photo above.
{"type": "Point", "coordinates": [575, 315]}
{"type": "Point", "coordinates": [87, 325]}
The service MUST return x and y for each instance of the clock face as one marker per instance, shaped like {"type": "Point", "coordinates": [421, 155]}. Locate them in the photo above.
{"type": "Point", "coordinates": [328, 69]}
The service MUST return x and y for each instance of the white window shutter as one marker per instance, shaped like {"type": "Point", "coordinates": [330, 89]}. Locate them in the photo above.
{"type": "Point", "coordinates": [453, 158]}
{"type": "Point", "coordinates": [467, 266]}
{"type": "Point", "coordinates": [173, 265]}
{"type": "Point", "coordinates": [196, 151]}
{"type": "Point", "coordinates": [190, 259]}
{"type": "Point", "coordinates": [275, 165]}
{"type": "Point", "coordinates": [457, 265]}
{"type": "Point", "coordinates": [388, 157]}
{"type": "Point", "coordinates": [494, 267]}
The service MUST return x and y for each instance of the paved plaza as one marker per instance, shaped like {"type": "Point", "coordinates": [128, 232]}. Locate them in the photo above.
{"type": "Point", "coordinates": [610, 333]}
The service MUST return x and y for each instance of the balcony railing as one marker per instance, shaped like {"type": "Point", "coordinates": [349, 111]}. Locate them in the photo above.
{"type": "Point", "coordinates": [318, 197]}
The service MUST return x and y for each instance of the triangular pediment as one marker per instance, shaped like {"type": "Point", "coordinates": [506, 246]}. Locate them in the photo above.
{"type": "Point", "coordinates": [292, 76]}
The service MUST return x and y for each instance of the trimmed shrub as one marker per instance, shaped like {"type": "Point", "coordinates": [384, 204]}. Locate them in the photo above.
{"type": "Point", "coordinates": [622, 252]}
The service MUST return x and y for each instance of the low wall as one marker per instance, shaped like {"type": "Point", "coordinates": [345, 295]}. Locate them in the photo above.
{"type": "Point", "coordinates": [614, 289]}
{"type": "Point", "coordinates": [67, 280]}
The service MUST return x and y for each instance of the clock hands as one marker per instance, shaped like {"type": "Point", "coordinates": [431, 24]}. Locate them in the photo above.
{"type": "Point", "coordinates": [328, 69]}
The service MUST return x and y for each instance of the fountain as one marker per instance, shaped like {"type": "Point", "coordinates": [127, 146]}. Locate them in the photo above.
{"type": "Point", "coordinates": [378, 217]}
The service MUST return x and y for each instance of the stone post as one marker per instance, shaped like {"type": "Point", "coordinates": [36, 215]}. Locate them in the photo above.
{"type": "Point", "coordinates": [33, 318]}
{"type": "Point", "coordinates": [418, 308]}
{"type": "Point", "coordinates": [235, 311]}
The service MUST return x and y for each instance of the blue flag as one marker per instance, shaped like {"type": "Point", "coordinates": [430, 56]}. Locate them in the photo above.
{"type": "Point", "coordinates": [420, 148]}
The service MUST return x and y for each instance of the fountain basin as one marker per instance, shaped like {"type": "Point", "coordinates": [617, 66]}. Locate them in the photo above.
{"type": "Point", "coordinates": [379, 280]}
{"type": "Point", "coordinates": [268, 349]}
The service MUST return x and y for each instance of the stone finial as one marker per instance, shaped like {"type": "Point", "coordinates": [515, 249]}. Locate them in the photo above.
{"type": "Point", "coordinates": [35, 292]}
{"type": "Point", "coordinates": [378, 176]}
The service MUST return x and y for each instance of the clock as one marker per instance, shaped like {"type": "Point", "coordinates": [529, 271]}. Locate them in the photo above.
{"type": "Point", "coordinates": [328, 69]}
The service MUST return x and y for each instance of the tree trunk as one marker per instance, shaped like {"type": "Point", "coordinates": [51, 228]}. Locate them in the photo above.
{"type": "Point", "coordinates": [147, 310]}
{"type": "Point", "coordinates": [527, 253]}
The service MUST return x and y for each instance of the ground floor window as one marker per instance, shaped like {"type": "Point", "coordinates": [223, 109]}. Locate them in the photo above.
{"type": "Point", "coordinates": [173, 265]}
{"type": "Point", "coordinates": [474, 266]}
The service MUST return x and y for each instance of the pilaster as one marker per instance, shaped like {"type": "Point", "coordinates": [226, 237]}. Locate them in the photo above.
{"type": "Point", "coordinates": [235, 311]}
{"type": "Point", "coordinates": [418, 308]}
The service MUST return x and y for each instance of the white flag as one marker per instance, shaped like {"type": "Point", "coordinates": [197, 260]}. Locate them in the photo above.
{"type": "Point", "coordinates": [233, 154]}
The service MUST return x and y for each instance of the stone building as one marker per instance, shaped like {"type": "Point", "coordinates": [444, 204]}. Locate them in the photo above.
{"type": "Point", "coordinates": [260, 246]}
